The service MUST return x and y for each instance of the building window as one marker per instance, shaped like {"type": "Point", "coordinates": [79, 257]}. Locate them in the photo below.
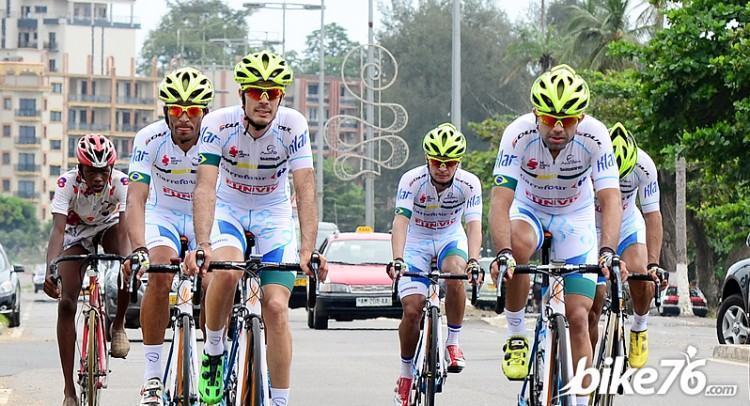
{"type": "Point", "coordinates": [26, 158]}
{"type": "Point", "coordinates": [6, 185]}
{"type": "Point", "coordinates": [26, 188]}
{"type": "Point", "coordinates": [55, 145]}
{"type": "Point", "coordinates": [6, 130]}
{"type": "Point", "coordinates": [72, 141]}
{"type": "Point", "coordinates": [57, 88]}
{"type": "Point", "coordinates": [312, 89]}
{"type": "Point", "coordinates": [26, 133]}
{"type": "Point", "coordinates": [54, 170]}
{"type": "Point", "coordinates": [52, 65]}
{"type": "Point", "coordinates": [40, 9]}
{"type": "Point", "coordinates": [55, 116]}
{"type": "Point", "coordinates": [8, 103]}
{"type": "Point", "coordinates": [6, 158]}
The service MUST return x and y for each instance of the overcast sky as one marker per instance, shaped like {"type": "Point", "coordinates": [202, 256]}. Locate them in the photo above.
{"type": "Point", "coordinates": [351, 14]}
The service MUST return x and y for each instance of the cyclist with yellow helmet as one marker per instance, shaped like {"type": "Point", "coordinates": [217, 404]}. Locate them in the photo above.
{"type": "Point", "coordinates": [159, 211]}
{"type": "Point", "coordinates": [551, 164]}
{"type": "Point", "coordinates": [431, 201]}
{"type": "Point", "coordinates": [640, 238]}
{"type": "Point", "coordinates": [254, 146]}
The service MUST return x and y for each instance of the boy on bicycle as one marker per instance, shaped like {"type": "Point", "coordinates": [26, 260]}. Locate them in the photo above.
{"type": "Point", "coordinates": [430, 203]}
{"type": "Point", "coordinates": [87, 206]}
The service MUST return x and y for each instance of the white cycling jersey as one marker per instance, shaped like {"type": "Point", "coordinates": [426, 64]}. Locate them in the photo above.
{"type": "Point", "coordinates": [561, 185]}
{"type": "Point", "coordinates": [168, 170]}
{"type": "Point", "coordinates": [431, 213]}
{"type": "Point", "coordinates": [254, 172]}
{"type": "Point", "coordinates": [83, 207]}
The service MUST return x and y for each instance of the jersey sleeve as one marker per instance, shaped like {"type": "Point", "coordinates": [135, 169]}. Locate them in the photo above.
{"type": "Point", "coordinates": [209, 143]}
{"type": "Point", "coordinates": [648, 183]}
{"type": "Point", "coordinates": [507, 164]}
{"type": "Point", "coordinates": [473, 205]}
{"type": "Point", "coordinates": [297, 143]}
{"type": "Point", "coordinates": [405, 195]}
{"type": "Point", "coordinates": [142, 160]}
{"type": "Point", "coordinates": [120, 184]}
{"type": "Point", "coordinates": [604, 174]}
{"type": "Point", "coordinates": [63, 195]}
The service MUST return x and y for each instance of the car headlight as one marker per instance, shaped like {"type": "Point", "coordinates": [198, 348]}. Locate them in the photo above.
{"type": "Point", "coordinates": [6, 287]}
{"type": "Point", "coordinates": [328, 287]}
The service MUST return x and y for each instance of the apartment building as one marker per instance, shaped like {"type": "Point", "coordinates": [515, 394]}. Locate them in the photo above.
{"type": "Point", "coordinates": [66, 68]}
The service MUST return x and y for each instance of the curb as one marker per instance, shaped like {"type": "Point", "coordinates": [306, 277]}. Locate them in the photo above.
{"type": "Point", "coordinates": [732, 352]}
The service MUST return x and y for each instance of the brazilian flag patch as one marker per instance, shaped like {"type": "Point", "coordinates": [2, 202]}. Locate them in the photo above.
{"type": "Point", "coordinates": [505, 181]}
{"type": "Point", "coordinates": [139, 177]}
{"type": "Point", "coordinates": [209, 159]}
{"type": "Point", "coordinates": [404, 212]}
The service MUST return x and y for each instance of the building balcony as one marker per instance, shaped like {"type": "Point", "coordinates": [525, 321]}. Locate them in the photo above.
{"type": "Point", "coordinates": [28, 44]}
{"type": "Point", "coordinates": [88, 127]}
{"type": "Point", "coordinates": [121, 127]}
{"type": "Point", "coordinates": [115, 22]}
{"type": "Point", "coordinates": [28, 141]}
{"type": "Point", "coordinates": [90, 98]}
{"type": "Point", "coordinates": [25, 194]}
{"type": "Point", "coordinates": [28, 113]}
{"type": "Point", "coordinates": [50, 46]}
{"type": "Point", "coordinates": [143, 101]}
{"type": "Point", "coordinates": [28, 168]}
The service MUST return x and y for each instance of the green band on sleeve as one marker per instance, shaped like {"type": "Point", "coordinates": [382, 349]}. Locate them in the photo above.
{"type": "Point", "coordinates": [209, 159]}
{"type": "Point", "coordinates": [139, 177]}
{"type": "Point", "coordinates": [404, 212]}
{"type": "Point", "coordinates": [505, 181]}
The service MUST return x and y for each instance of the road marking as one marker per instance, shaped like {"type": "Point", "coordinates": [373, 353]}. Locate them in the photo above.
{"type": "Point", "coordinates": [5, 396]}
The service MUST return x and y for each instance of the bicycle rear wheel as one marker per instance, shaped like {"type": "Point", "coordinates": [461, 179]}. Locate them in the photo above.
{"type": "Point", "coordinates": [431, 369]}
{"type": "Point", "coordinates": [254, 376]}
{"type": "Point", "coordinates": [92, 361]}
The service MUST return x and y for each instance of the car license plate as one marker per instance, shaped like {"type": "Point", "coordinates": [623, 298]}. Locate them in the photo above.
{"type": "Point", "coordinates": [373, 301]}
{"type": "Point", "coordinates": [172, 299]}
{"type": "Point", "coordinates": [300, 281]}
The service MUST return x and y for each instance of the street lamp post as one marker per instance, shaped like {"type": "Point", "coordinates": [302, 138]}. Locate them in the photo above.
{"type": "Point", "coordinates": [321, 79]}
{"type": "Point", "coordinates": [456, 66]}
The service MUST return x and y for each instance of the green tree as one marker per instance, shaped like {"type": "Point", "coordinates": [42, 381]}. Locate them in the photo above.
{"type": "Point", "coordinates": [343, 201]}
{"type": "Point", "coordinates": [20, 231]}
{"type": "Point", "coordinates": [187, 30]}
{"type": "Point", "coordinates": [337, 45]}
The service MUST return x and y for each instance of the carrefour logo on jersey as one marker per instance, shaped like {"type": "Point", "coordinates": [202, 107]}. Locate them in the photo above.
{"type": "Point", "coordinates": [297, 143]}
{"type": "Point", "coordinates": [605, 162]}
{"type": "Point", "coordinates": [504, 159]}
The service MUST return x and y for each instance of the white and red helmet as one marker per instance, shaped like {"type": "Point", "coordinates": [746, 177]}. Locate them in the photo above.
{"type": "Point", "coordinates": [96, 150]}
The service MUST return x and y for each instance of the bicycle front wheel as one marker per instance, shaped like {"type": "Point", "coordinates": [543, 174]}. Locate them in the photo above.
{"type": "Point", "coordinates": [186, 357]}
{"type": "Point", "coordinates": [254, 375]}
{"type": "Point", "coordinates": [431, 369]}
{"type": "Point", "coordinates": [560, 361]}
{"type": "Point", "coordinates": [92, 361]}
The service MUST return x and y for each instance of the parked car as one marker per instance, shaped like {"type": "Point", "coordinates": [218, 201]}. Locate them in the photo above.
{"type": "Point", "coordinates": [10, 290]}
{"type": "Point", "coordinates": [37, 279]}
{"type": "Point", "coordinates": [733, 319]}
{"type": "Point", "coordinates": [300, 283]}
{"type": "Point", "coordinates": [357, 286]}
{"type": "Point", "coordinates": [670, 302]}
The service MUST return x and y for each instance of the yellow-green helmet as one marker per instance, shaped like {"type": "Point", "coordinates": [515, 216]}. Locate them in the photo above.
{"type": "Point", "coordinates": [626, 150]}
{"type": "Point", "coordinates": [186, 85]}
{"type": "Point", "coordinates": [445, 141]}
{"type": "Point", "coordinates": [560, 92]}
{"type": "Point", "coordinates": [263, 66]}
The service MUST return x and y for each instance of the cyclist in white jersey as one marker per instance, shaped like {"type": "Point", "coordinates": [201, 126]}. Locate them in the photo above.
{"type": "Point", "coordinates": [550, 164]}
{"type": "Point", "coordinates": [430, 203]}
{"type": "Point", "coordinates": [640, 238]}
{"type": "Point", "coordinates": [163, 171]}
{"type": "Point", "coordinates": [252, 148]}
{"type": "Point", "coordinates": [87, 205]}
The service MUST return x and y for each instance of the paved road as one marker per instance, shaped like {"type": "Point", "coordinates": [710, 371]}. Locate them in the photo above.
{"type": "Point", "coordinates": [352, 363]}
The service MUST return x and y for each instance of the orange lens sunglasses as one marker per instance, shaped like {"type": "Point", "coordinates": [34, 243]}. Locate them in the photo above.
{"type": "Point", "coordinates": [176, 111]}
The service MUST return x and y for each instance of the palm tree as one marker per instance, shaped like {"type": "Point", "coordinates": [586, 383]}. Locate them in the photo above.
{"type": "Point", "coordinates": [593, 25]}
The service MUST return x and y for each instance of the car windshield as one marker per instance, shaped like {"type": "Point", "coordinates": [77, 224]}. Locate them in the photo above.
{"type": "Point", "coordinates": [359, 251]}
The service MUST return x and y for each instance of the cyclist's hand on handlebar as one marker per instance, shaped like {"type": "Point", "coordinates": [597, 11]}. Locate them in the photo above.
{"type": "Point", "coordinates": [50, 285]}
{"type": "Point", "coordinates": [322, 264]}
{"type": "Point", "coordinates": [196, 262]}
{"type": "Point", "coordinates": [138, 261]}
{"type": "Point", "coordinates": [396, 268]}
{"type": "Point", "coordinates": [606, 255]}
{"type": "Point", "coordinates": [472, 267]}
{"type": "Point", "coordinates": [624, 270]}
{"type": "Point", "coordinates": [659, 274]}
{"type": "Point", "coordinates": [504, 258]}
